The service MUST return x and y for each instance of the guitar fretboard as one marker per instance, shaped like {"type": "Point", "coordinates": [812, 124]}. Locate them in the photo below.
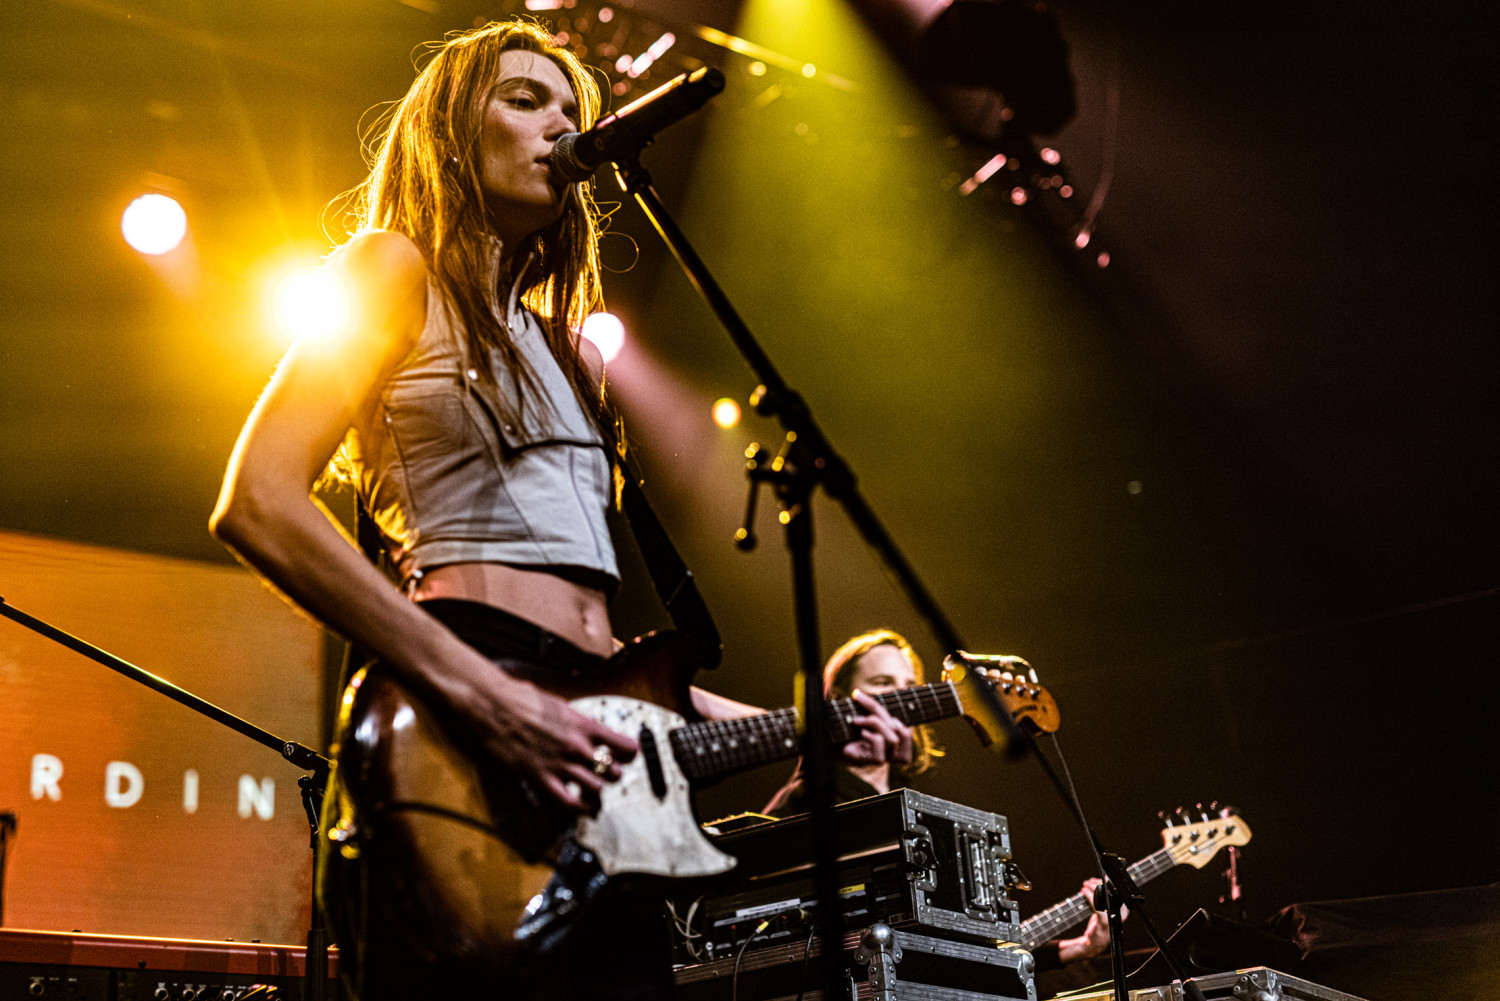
{"type": "Point", "coordinates": [1060, 917]}
{"type": "Point", "coordinates": [719, 747]}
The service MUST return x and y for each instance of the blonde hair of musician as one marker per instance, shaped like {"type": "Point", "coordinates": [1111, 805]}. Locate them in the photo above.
{"type": "Point", "coordinates": [838, 678]}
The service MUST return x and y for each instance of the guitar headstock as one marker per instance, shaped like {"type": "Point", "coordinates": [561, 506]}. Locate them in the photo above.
{"type": "Point", "coordinates": [1195, 842]}
{"type": "Point", "coordinates": [1013, 682]}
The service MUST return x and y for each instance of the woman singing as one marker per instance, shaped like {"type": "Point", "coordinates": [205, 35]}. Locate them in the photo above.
{"type": "Point", "coordinates": [475, 432]}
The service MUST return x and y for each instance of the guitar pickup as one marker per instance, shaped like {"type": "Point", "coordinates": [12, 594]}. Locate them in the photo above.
{"type": "Point", "coordinates": [654, 772]}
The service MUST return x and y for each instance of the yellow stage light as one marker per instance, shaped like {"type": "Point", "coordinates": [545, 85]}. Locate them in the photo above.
{"type": "Point", "coordinates": [726, 413]}
{"type": "Point", "coordinates": [311, 305]}
{"type": "Point", "coordinates": [606, 332]}
{"type": "Point", "coordinates": [154, 224]}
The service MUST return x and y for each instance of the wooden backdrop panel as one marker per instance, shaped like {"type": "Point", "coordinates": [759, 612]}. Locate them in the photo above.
{"type": "Point", "coordinates": [152, 863]}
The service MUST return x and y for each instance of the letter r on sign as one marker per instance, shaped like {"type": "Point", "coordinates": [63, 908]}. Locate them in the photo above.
{"type": "Point", "coordinates": [46, 773]}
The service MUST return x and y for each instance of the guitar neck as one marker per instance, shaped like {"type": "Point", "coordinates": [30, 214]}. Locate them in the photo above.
{"type": "Point", "coordinates": [1060, 917]}
{"type": "Point", "coordinates": [720, 747]}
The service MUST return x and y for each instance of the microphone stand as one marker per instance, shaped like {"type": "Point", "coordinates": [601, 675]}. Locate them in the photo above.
{"type": "Point", "coordinates": [807, 461]}
{"type": "Point", "coordinates": [1121, 889]}
{"type": "Point", "coordinates": [311, 786]}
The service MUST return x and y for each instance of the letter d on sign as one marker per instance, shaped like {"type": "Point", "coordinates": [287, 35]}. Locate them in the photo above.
{"type": "Point", "coordinates": [123, 784]}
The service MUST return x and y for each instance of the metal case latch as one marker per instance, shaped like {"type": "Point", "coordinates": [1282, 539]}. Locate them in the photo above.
{"type": "Point", "coordinates": [880, 952]}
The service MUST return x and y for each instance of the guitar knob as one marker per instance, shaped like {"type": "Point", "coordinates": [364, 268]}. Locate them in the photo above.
{"type": "Point", "coordinates": [1162, 815]}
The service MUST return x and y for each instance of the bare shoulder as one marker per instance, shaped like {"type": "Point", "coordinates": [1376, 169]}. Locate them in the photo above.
{"type": "Point", "coordinates": [385, 276]}
{"type": "Point", "coordinates": [382, 252]}
{"type": "Point", "coordinates": [593, 360]}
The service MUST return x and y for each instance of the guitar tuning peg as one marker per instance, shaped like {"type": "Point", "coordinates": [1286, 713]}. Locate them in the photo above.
{"type": "Point", "coordinates": [1161, 815]}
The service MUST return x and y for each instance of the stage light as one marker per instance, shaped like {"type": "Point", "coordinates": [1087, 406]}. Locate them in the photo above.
{"type": "Point", "coordinates": [154, 224]}
{"type": "Point", "coordinates": [606, 332]}
{"type": "Point", "coordinates": [983, 174]}
{"type": "Point", "coordinates": [311, 305]}
{"type": "Point", "coordinates": [726, 413]}
{"type": "Point", "coordinates": [643, 62]}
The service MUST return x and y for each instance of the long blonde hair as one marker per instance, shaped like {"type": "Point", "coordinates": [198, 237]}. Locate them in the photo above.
{"type": "Point", "coordinates": [838, 682]}
{"type": "Point", "coordinates": [425, 183]}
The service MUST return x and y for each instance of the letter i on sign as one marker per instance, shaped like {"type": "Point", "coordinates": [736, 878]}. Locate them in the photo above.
{"type": "Point", "coordinates": [190, 791]}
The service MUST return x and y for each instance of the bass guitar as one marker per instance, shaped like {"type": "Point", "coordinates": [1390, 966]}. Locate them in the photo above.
{"type": "Point", "coordinates": [1183, 844]}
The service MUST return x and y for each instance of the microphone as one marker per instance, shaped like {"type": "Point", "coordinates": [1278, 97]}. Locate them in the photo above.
{"type": "Point", "coordinates": [577, 155]}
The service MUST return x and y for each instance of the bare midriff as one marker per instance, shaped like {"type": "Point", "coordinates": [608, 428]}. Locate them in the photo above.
{"type": "Point", "coordinates": [576, 612]}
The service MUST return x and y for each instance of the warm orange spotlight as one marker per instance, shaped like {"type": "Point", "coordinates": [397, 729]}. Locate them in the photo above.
{"type": "Point", "coordinates": [311, 305]}
{"type": "Point", "coordinates": [606, 332]}
{"type": "Point", "coordinates": [726, 413]}
{"type": "Point", "coordinates": [154, 224]}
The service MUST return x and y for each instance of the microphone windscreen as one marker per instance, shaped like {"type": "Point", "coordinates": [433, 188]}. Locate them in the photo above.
{"type": "Point", "coordinates": [565, 162]}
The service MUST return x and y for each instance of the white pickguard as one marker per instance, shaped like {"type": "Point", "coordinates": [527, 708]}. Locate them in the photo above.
{"type": "Point", "coordinates": [634, 831]}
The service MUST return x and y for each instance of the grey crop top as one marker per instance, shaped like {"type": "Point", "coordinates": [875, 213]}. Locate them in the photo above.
{"type": "Point", "coordinates": [447, 480]}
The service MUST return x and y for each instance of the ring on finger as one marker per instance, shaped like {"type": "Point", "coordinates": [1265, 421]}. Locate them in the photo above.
{"type": "Point", "coordinates": [604, 760]}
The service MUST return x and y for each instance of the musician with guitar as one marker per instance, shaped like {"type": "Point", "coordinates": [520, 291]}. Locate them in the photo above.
{"type": "Point", "coordinates": [881, 661]}
{"type": "Point", "coordinates": [471, 420]}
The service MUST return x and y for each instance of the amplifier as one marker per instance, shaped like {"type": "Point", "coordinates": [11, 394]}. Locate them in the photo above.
{"type": "Point", "coordinates": [882, 965]}
{"type": "Point", "coordinates": [48, 964]}
{"type": "Point", "coordinates": [911, 861]}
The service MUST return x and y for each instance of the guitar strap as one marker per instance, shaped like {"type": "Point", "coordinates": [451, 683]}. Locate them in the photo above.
{"type": "Point", "coordinates": [674, 583]}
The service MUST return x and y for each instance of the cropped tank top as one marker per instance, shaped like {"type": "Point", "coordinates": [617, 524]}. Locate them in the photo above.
{"type": "Point", "coordinates": [448, 478]}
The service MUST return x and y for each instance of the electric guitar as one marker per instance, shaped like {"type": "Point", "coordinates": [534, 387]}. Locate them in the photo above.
{"type": "Point", "coordinates": [480, 864]}
{"type": "Point", "coordinates": [1183, 844]}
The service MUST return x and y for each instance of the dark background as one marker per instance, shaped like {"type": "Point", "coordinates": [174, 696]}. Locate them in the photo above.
{"type": "Point", "coordinates": [1234, 495]}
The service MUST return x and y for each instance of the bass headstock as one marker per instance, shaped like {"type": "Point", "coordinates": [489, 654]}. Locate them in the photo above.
{"type": "Point", "coordinates": [1193, 842]}
{"type": "Point", "coordinates": [1013, 682]}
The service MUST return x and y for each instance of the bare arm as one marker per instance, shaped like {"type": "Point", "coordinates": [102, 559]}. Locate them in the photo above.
{"type": "Point", "coordinates": [266, 514]}
{"type": "Point", "coordinates": [1095, 938]}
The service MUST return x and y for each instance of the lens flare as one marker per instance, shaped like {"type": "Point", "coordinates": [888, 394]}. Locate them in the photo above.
{"type": "Point", "coordinates": [311, 306]}
{"type": "Point", "coordinates": [607, 334]}
{"type": "Point", "coordinates": [154, 224]}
